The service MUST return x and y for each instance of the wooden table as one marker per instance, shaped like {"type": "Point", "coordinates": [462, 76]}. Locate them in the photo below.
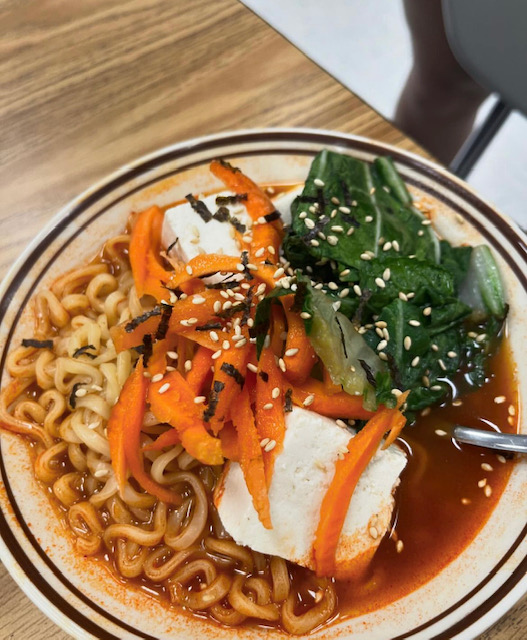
{"type": "Point", "coordinates": [88, 86]}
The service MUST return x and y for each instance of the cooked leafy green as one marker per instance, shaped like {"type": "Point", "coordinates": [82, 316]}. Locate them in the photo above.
{"type": "Point", "coordinates": [429, 310]}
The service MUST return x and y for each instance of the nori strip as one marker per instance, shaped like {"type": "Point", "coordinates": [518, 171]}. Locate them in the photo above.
{"type": "Point", "coordinates": [274, 215]}
{"type": "Point", "coordinates": [264, 376]}
{"type": "Point", "coordinates": [37, 344]}
{"type": "Point", "coordinates": [236, 308]}
{"type": "Point", "coordinates": [222, 215]}
{"type": "Point", "coordinates": [245, 262]}
{"type": "Point", "coordinates": [135, 322]}
{"type": "Point", "coordinates": [288, 406]}
{"type": "Point", "coordinates": [247, 310]}
{"type": "Point", "coordinates": [166, 312]}
{"type": "Point", "coordinates": [82, 351]}
{"type": "Point", "coordinates": [237, 197]}
{"type": "Point", "coordinates": [228, 166]}
{"type": "Point", "coordinates": [147, 348]}
{"type": "Point", "coordinates": [209, 326]}
{"type": "Point", "coordinates": [171, 246]}
{"type": "Point", "coordinates": [72, 400]}
{"type": "Point", "coordinates": [199, 207]}
{"type": "Point", "coordinates": [239, 226]}
{"type": "Point", "coordinates": [369, 373]}
{"type": "Point", "coordinates": [231, 371]}
{"type": "Point", "coordinates": [214, 397]}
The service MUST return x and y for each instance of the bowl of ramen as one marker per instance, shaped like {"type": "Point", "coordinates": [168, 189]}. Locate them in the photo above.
{"type": "Point", "coordinates": [230, 376]}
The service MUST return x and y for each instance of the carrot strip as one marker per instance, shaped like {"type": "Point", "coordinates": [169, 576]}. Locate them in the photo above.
{"type": "Point", "coordinates": [149, 275]}
{"type": "Point", "coordinates": [329, 386]}
{"type": "Point", "coordinates": [258, 203]}
{"type": "Point", "coordinates": [172, 400]}
{"type": "Point", "coordinates": [124, 436]}
{"type": "Point", "coordinates": [269, 411]}
{"type": "Point", "coordinates": [251, 460]}
{"type": "Point", "coordinates": [338, 405]}
{"type": "Point", "coordinates": [157, 363]}
{"type": "Point", "coordinates": [348, 471]}
{"type": "Point", "coordinates": [229, 375]}
{"type": "Point", "coordinates": [201, 364]}
{"type": "Point", "coordinates": [229, 442]}
{"type": "Point", "coordinates": [167, 439]}
{"type": "Point", "coordinates": [265, 237]}
{"type": "Point", "coordinates": [204, 265]}
{"type": "Point", "coordinates": [277, 330]}
{"type": "Point", "coordinates": [185, 351]}
{"type": "Point", "coordinates": [298, 365]}
{"type": "Point", "coordinates": [124, 339]}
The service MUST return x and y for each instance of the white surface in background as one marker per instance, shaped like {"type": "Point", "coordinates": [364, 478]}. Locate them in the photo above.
{"type": "Point", "coordinates": [365, 44]}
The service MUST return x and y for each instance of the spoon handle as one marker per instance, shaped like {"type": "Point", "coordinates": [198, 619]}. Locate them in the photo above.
{"type": "Point", "coordinates": [491, 439]}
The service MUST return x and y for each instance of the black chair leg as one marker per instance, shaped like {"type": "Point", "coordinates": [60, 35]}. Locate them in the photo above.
{"type": "Point", "coordinates": [478, 141]}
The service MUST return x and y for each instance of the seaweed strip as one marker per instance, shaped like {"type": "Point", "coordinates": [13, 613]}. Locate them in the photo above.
{"type": "Point", "coordinates": [135, 322]}
{"type": "Point", "coordinates": [239, 226]}
{"type": "Point", "coordinates": [147, 348]}
{"type": "Point", "coordinates": [228, 166]}
{"type": "Point", "coordinates": [199, 207]}
{"type": "Point", "coordinates": [247, 310]}
{"type": "Point", "coordinates": [214, 397]}
{"type": "Point", "coordinates": [171, 246]}
{"type": "Point", "coordinates": [288, 405]}
{"type": "Point", "coordinates": [369, 373]}
{"type": "Point", "coordinates": [245, 262]}
{"type": "Point", "coordinates": [72, 400]}
{"type": "Point", "coordinates": [37, 344]}
{"type": "Point", "coordinates": [209, 326]}
{"type": "Point", "coordinates": [300, 296]}
{"type": "Point", "coordinates": [166, 312]}
{"type": "Point", "coordinates": [274, 215]}
{"type": "Point", "coordinates": [264, 376]}
{"type": "Point", "coordinates": [237, 197]}
{"type": "Point", "coordinates": [222, 215]}
{"type": "Point", "coordinates": [231, 371]}
{"type": "Point", "coordinates": [82, 351]}
{"type": "Point", "coordinates": [342, 339]}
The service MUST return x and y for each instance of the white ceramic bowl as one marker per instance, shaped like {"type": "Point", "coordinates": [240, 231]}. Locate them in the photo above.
{"type": "Point", "coordinates": [80, 594]}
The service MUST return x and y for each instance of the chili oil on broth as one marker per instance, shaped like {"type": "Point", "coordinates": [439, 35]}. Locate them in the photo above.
{"type": "Point", "coordinates": [431, 521]}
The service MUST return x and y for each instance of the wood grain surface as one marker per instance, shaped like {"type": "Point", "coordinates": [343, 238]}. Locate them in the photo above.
{"type": "Point", "coordinates": [87, 86]}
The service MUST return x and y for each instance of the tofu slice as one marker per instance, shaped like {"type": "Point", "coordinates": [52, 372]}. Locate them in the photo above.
{"type": "Point", "coordinates": [196, 236]}
{"type": "Point", "coordinates": [302, 474]}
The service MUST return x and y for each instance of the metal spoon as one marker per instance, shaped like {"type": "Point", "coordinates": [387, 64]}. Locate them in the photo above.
{"type": "Point", "coordinates": [491, 439]}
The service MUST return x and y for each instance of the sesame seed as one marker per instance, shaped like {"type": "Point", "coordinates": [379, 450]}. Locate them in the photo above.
{"type": "Point", "coordinates": [426, 411]}
{"type": "Point", "coordinates": [420, 233]}
{"type": "Point", "coordinates": [318, 182]}
{"type": "Point", "coordinates": [386, 274]}
{"type": "Point", "coordinates": [302, 215]}
{"type": "Point", "coordinates": [275, 393]}
{"type": "Point", "coordinates": [486, 466]}
{"type": "Point", "coordinates": [395, 245]}
{"type": "Point", "coordinates": [188, 365]}
{"type": "Point", "coordinates": [383, 356]}
{"type": "Point", "coordinates": [481, 337]}
{"type": "Point", "coordinates": [511, 410]}
{"type": "Point", "coordinates": [379, 332]}
{"type": "Point", "coordinates": [345, 209]}
{"type": "Point", "coordinates": [426, 222]}
{"type": "Point", "coordinates": [441, 364]}
{"type": "Point", "coordinates": [240, 267]}
{"type": "Point", "coordinates": [335, 200]}
{"type": "Point", "coordinates": [337, 228]}
{"type": "Point", "coordinates": [382, 345]}
{"type": "Point", "coordinates": [147, 374]}
{"type": "Point", "coordinates": [501, 458]}
{"type": "Point", "coordinates": [457, 402]}
{"type": "Point", "coordinates": [100, 473]}
{"type": "Point", "coordinates": [164, 387]}
{"type": "Point", "coordinates": [227, 305]}
{"type": "Point", "coordinates": [440, 432]}
{"type": "Point", "coordinates": [216, 355]}
{"type": "Point", "coordinates": [387, 246]}
{"type": "Point", "coordinates": [436, 387]}
{"type": "Point", "coordinates": [332, 240]}
{"type": "Point", "coordinates": [270, 446]}
{"type": "Point", "coordinates": [169, 368]}
{"type": "Point", "coordinates": [309, 400]}
{"type": "Point", "coordinates": [487, 491]}
{"type": "Point", "coordinates": [158, 377]}
{"type": "Point", "coordinates": [410, 295]}
{"type": "Point", "coordinates": [373, 533]}
{"type": "Point", "coordinates": [380, 283]}
{"type": "Point", "coordinates": [172, 354]}
{"type": "Point", "coordinates": [281, 364]}
{"type": "Point", "coordinates": [403, 296]}
{"type": "Point", "coordinates": [368, 219]}
{"type": "Point", "coordinates": [434, 347]}
{"type": "Point", "coordinates": [199, 399]}
{"type": "Point", "coordinates": [465, 501]}
{"type": "Point", "coordinates": [340, 423]}
{"type": "Point", "coordinates": [426, 381]}
{"type": "Point", "coordinates": [333, 286]}
{"type": "Point", "coordinates": [414, 323]}
{"type": "Point", "coordinates": [241, 343]}
{"type": "Point", "coordinates": [264, 442]}
{"type": "Point", "coordinates": [271, 250]}
{"type": "Point", "coordinates": [198, 300]}
{"type": "Point", "coordinates": [336, 305]}
{"type": "Point", "coordinates": [452, 354]}
{"type": "Point", "coordinates": [93, 425]}
{"type": "Point", "coordinates": [407, 342]}
{"type": "Point", "coordinates": [365, 256]}
{"type": "Point", "coordinates": [268, 406]}
{"type": "Point", "coordinates": [252, 267]}
{"type": "Point", "coordinates": [309, 223]}
{"type": "Point", "coordinates": [500, 399]}
{"type": "Point", "coordinates": [314, 243]}
{"type": "Point", "coordinates": [305, 315]}
{"type": "Point", "coordinates": [357, 289]}
{"type": "Point", "coordinates": [188, 269]}
{"type": "Point", "coordinates": [214, 336]}
{"type": "Point", "coordinates": [80, 393]}
{"type": "Point", "coordinates": [415, 361]}
{"type": "Point", "coordinates": [291, 352]}
{"type": "Point", "coordinates": [259, 253]}
{"type": "Point", "coordinates": [510, 420]}
{"type": "Point", "coordinates": [261, 220]}
{"type": "Point", "coordinates": [225, 344]}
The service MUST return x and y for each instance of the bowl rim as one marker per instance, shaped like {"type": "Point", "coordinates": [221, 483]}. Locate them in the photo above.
{"type": "Point", "coordinates": [440, 175]}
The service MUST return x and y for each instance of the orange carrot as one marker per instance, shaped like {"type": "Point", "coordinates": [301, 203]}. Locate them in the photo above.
{"type": "Point", "coordinates": [229, 442]}
{"type": "Point", "coordinates": [258, 203]}
{"type": "Point", "coordinates": [269, 411]}
{"type": "Point", "coordinates": [251, 460]}
{"type": "Point", "coordinates": [167, 439]}
{"type": "Point", "coordinates": [299, 364]}
{"type": "Point", "coordinates": [204, 265]}
{"type": "Point", "coordinates": [172, 400]}
{"type": "Point", "coordinates": [277, 330]}
{"type": "Point", "coordinates": [157, 362]}
{"type": "Point", "coordinates": [330, 387]}
{"type": "Point", "coordinates": [126, 339]}
{"type": "Point", "coordinates": [348, 471]}
{"type": "Point", "coordinates": [337, 405]}
{"type": "Point", "coordinates": [201, 363]}
{"type": "Point", "coordinates": [149, 275]}
{"type": "Point", "coordinates": [267, 239]}
{"type": "Point", "coordinates": [124, 436]}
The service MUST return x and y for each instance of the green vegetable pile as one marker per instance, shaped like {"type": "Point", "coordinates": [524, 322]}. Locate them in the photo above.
{"type": "Point", "coordinates": [387, 304]}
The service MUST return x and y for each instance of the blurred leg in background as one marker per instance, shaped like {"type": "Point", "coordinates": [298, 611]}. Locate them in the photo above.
{"type": "Point", "coordinates": [439, 102]}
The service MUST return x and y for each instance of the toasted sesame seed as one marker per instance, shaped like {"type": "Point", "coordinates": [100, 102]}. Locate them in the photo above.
{"type": "Point", "coordinates": [188, 365]}
{"type": "Point", "coordinates": [426, 381]}
{"type": "Point", "coordinates": [147, 374]}
{"type": "Point", "coordinates": [164, 388]}
{"type": "Point", "coordinates": [501, 458]}
{"type": "Point", "coordinates": [241, 343]}
{"type": "Point", "coordinates": [434, 347]}
{"type": "Point", "coordinates": [336, 305]}
{"type": "Point", "coordinates": [373, 533]}
{"type": "Point", "coordinates": [382, 345]}
{"type": "Point", "coordinates": [305, 315]}
{"type": "Point", "coordinates": [270, 446]}
{"type": "Point", "coordinates": [282, 365]}
{"type": "Point", "coordinates": [487, 491]}
{"type": "Point", "coordinates": [188, 269]}
{"type": "Point", "coordinates": [407, 342]}
{"type": "Point", "coordinates": [368, 219]}
{"type": "Point", "coordinates": [482, 483]}
{"type": "Point", "coordinates": [427, 311]}
{"type": "Point", "coordinates": [383, 356]}
{"type": "Point", "coordinates": [486, 466]}
{"type": "Point", "coordinates": [291, 352]}
{"type": "Point", "coordinates": [344, 273]}
{"type": "Point", "coordinates": [309, 400]}
{"type": "Point", "coordinates": [335, 200]}
{"type": "Point", "coordinates": [217, 354]}
{"type": "Point", "coordinates": [510, 420]}
{"type": "Point", "coordinates": [314, 243]}
{"type": "Point", "coordinates": [511, 409]}
{"type": "Point", "coordinates": [387, 246]}
{"type": "Point", "coordinates": [441, 364]}
{"type": "Point", "coordinates": [379, 332]}
{"type": "Point", "coordinates": [414, 323]}
{"type": "Point", "coordinates": [415, 361]}
{"type": "Point", "coordinates": [365, 256]}
{"type": "Point", "coordinates": [268, 406]}
{"type": "Point", "coordinates": [403, 296]}
{"type": "Point", "coordinates": [80, 393]}
{"type": "Point", "coordinates": [399, 546]}
{"type": "Point", "coordinates": [380, 283]}
{"type": "Point", "coordinates": [386, 274]}
{"type": "Point", "coordinates": [500, 399]}
{"type": "Point", "coordinates": [465, 501]}
{"type": "Point", "coordinates": [395, 245]}
{"type": "Point", "coordinates": [426, 411]}
{"type": "Point", "coordinates": [440, 432]}
{"type": "Point", "coordinates": [357, 289]}
{"type": "Point", "coordinates": [333, 286]}
{"type": "Point", "coordinates": [457, 402]}
{"type": "Point", "coordinates": [158, 377]}
{"type": "Point", "coordinates": [436, 387]}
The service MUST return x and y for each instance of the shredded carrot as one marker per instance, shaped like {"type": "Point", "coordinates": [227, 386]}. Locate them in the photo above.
{"type": "Point", "coordinates": [201, 364]}
{"type": "Point", "coordinates": [269, 411]}
{"type": "Point", "coordinates": [348, 471]}
{"type": "Point", "coordinates": [229, 442]}
{"type": "Point", "coordinates": [167, 439]}
{"type": "Point", "coordinates": [149, 275]}
{"type": "Point", "coordinates": [185, 351]}
{"type": "Point", "coordinates": [303, 357]}
{"type": "Point", "coordinates": [265, 244]}
{"type": "Point", "coordinates": [251, 460]}
{"type": "Point", "coordinates": [277, 330]}
{"type": "Point", "coordinates": [204, 265]}
{"type": "Point", "coordinates": [127, 339]}
{"type": "Point", "coordinates": [157, 363]}
{"type": "Point", "coordinates": [172, 400]}
{"type": "Point", "coordinates": [124, 436]}
{"type": "Point", "coordinates": [337, 405]}
{"type": "Point", "coordinates": [330, 387]}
